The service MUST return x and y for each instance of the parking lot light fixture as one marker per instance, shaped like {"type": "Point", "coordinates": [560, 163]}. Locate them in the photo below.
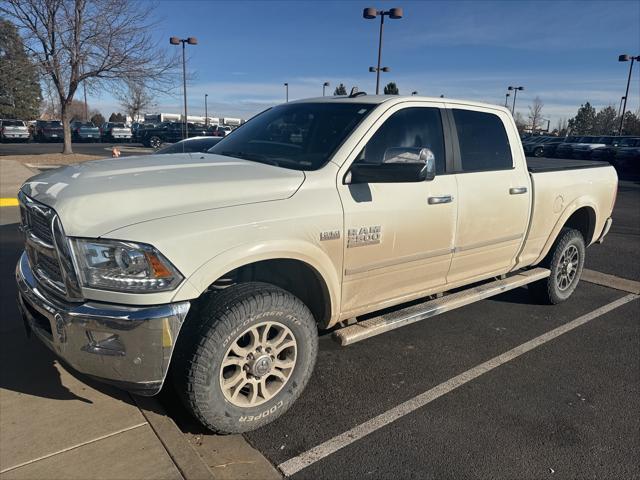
{"type": "Point", "coordinates": [324, 85]}
{"type": "Point", "coordinates": [506, 98]}
{"type": "Point", "coordinates": [626, 58]}
{"type": "Point", "coordinates": [515, 95]}
{"type": "Point", "coordinates": [184, 41]}
{"type": "Point", "coordinates": [286, 89]}
{"type": "Point", "coordinates": [370, 14]}
{"type": "Point", "coordinates": [415, 92]}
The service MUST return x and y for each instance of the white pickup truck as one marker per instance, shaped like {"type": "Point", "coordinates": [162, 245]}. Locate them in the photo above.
{"type": "Point", "coordinates": [217, 270]}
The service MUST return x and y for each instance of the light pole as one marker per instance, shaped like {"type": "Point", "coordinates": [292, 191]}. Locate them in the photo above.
{"type": "Point", "coordinates": [626, 58]}
{"type": "Point", "coordinates": [206, 116]}
{"type": "Point", "coordinates": [324, 85]}
{"type": "Point", "coordinates": [620, 107]}
{"type": "Point", "coordinates": [370, 14]}
{"type": "Point", "coordinates": [184, 41]}
{"type": "Point", "coordinates": [286, 87]}
{"type": "Point", "coordinates": [506, 98]}
{"type": "Point", "coordinates": [515, 94]}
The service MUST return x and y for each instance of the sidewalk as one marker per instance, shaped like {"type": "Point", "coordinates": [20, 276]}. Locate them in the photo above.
{"type": "Point", "coordinates": [12, 175]}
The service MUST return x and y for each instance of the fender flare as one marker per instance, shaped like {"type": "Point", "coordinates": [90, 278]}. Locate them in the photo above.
{"type": "Point", "coordinates": [573, 207]}
{"type": "Point", "coordinates": [248, 253]}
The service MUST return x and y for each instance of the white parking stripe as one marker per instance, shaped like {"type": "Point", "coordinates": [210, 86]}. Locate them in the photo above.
{"type": "Point", "coordinates": [325, 449]}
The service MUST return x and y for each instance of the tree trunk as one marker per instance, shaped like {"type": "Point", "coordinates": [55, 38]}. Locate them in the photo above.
{"type": "Point", "coordinates": [66, 129]}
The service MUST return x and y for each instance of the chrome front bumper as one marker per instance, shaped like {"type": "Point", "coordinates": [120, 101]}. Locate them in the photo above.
{"type": "Point", "coordinates": [130, 347]}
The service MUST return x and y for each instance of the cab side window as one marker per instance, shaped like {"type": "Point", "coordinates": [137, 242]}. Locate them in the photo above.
{"type": "Point", "coordinates": [483, 141]}
{"type": "Point", "coordinates": [415, 127]}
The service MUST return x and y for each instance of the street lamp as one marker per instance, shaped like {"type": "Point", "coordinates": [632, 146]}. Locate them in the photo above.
{"type": "Point", "coordinates": [206, 116]}
{"type": "Point", "coordinates": [415, 92]}
{"type": "Point", "coordinates": [370, 14]}
{"type": "Point", "coordinates": [626, 58]}
{"type": "Point", "coordinates": [324, 85]}
{"type": "Point", "coordinates": [506, 98]}
{"type": "Point", "coordinates": [184, 41]}
{"type": "Point", "coordinates": [620, 107]}
{"type": "Point", "coordinates": [286, 86]}
{"type": "Point", "coordinates": [515, 94]}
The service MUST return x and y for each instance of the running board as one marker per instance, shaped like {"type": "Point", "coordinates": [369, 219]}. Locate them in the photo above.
{"type": "Point", "coordinates": [399, 318]}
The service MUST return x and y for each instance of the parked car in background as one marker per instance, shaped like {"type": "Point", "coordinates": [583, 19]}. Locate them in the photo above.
{"type": "Point", "coordinates": [608, 153]}
{"type": "Point", "coordinates": [548, 148]}
{"type": "Point", "coordinates": [221, 131]}
{"type": "Point", "coordinates": [12, 130]}
{"type": "Point", "coordinates": [191, 145]}
{"type": "Point", "coordinates": [136, 127]}
{"type": "Point", "coordinates": [565, 149]}
{"type": "Point", "coordinates": [115, 131]}
{"type": "Point", "coordinates": [535, 148]}
{"type": "Point", "coordinates": [84, 132]}
{"type": "Point", "coordinates": [586, 149]}
{"type": "Point", "coordinates": [171, 132]}
{"type": "Point", "coordinates": [48, 131]}
{"type": "Point", "coordinates": [627, 157]}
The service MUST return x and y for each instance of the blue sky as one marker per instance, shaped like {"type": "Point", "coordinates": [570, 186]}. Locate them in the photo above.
{"type": "Point", "coordinates": [564, 52]}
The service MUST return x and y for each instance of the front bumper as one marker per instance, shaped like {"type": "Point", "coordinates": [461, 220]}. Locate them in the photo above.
{"type": "Point", "coordinates": [130, 347]}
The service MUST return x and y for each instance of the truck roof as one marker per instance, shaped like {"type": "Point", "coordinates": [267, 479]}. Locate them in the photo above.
{"type": "Point", "coordinates": [393, 99]}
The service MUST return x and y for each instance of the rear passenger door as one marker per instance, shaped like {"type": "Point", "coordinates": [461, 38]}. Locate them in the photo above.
{"type": "Point", "coordinates": [493, 193]}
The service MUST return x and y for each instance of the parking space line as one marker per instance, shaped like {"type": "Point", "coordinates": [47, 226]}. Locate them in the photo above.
{"type": "Point", "coordinates": [73, 447]}
{"type": "Point", "coordinates": [317, 453]}
{"type": "Point", "coordinates": [8, 202]}
{"type": "Point", "coordinates": [611, 281]}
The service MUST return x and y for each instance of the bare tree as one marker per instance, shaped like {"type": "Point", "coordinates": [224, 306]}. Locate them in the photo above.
{"type": "Point", "coordinates": [99, 42]}
{"type": "Point", "coordinates": [535, 114]}
{"type": "Point", "coordinates": [134, 99]}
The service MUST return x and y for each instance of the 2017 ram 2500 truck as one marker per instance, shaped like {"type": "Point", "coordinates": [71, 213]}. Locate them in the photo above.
{"type": "Point", "coordinates": [220, 268]}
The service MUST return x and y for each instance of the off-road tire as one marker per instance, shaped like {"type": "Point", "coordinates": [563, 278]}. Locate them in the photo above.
{"type": "Point", "coordinates": [549, 291]}
{"type": "Point", "coordinates": [212, 326]}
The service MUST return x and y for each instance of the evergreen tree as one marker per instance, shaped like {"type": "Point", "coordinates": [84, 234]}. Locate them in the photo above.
{"type": "Point", "coordinates": [20, 93]}
{"type": "Point", "coordinates": [340, 90]}
{"type": "Point", "coordinates": [97, 119]}
{"type": "Point", "coordinates": [606, 121]}
{"type": "Point", "coordinates": [584, 121]}
{"type": "Point", "coordinates": [117, 117]}
{"type": "Point", "coordinates": [391, 89]}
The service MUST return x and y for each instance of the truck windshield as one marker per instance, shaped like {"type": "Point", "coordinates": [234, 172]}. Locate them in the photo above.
{"type": "Point", "coordinates": [299, 136]}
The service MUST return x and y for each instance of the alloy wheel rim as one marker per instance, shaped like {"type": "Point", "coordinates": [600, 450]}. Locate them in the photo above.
{"type": "Point", "coordinates": [258, 364]}
{"type": "Point", "coordinates": [568, 268]}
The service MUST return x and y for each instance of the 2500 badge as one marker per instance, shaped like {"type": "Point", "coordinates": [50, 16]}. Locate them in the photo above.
{"type": "Point", "coordinates": [359, 237]}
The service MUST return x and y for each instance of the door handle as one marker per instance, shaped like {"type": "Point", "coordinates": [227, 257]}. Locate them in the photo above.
{"type": "Point", "coordinates": [439, 200]}
{"type": "Point", "coordinates": [517, 190]}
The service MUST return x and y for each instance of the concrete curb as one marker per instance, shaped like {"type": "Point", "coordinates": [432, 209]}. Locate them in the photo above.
{"type": "Point", "coordinates": [185, 457]}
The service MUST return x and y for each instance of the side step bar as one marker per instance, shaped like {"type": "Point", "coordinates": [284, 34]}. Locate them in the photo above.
{"type": "Point", "coordinates": [399, 318]}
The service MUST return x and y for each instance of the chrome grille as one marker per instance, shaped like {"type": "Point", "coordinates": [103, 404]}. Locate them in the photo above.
{"type": "Point", "coordinates": [37, 225]}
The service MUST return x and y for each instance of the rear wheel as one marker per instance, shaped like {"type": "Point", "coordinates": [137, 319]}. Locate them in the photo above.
{"type": "Point", "coordinates": [538, 152]}
{"type": "Point", "coordinates": [246, 356]}
{"type": "Point", "coordinates": [565, 260]}
{"type": "Point", "coordinates": [155, 142]}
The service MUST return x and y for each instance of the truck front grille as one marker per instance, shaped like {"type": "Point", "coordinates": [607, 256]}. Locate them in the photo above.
{"type": "Point", "coordinates": [37, 225]}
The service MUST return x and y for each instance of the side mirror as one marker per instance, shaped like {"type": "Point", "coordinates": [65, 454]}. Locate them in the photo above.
{"type": "Point", "coordinates": [413, 156]}
{"type": "Point", "coordinates": [399, 165]}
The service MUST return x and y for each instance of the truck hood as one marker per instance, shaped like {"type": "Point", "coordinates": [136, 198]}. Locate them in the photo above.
{"type": "Point", "coordinates": [94, 198]}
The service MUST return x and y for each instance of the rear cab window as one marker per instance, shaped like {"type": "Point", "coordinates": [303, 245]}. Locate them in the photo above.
{"type": "Point", "coordinates": [483, 141]}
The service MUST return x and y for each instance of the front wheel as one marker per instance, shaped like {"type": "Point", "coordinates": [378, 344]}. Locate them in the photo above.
{"type": "Point", "coordinates": [565, 260]}
{"type": "Point", "coordinates": [246, 357]}
{"type": "Point", "coordinates": [155, 142]}
{"type": "Point", "coordinates": [538, 152]}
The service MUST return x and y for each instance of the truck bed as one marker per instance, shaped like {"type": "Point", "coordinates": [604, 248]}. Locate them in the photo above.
{"type": "Point", "coordinates": [540, 165]}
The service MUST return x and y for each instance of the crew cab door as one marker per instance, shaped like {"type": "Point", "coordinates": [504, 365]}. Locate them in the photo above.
{"type": "Point", "coordinates": [494, 193]}
{"type": "Point", "coordinates": [399, 231]}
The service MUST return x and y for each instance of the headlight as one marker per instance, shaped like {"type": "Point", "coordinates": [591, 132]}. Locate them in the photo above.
{"type": "Point", "coordinates": [123, 266]}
